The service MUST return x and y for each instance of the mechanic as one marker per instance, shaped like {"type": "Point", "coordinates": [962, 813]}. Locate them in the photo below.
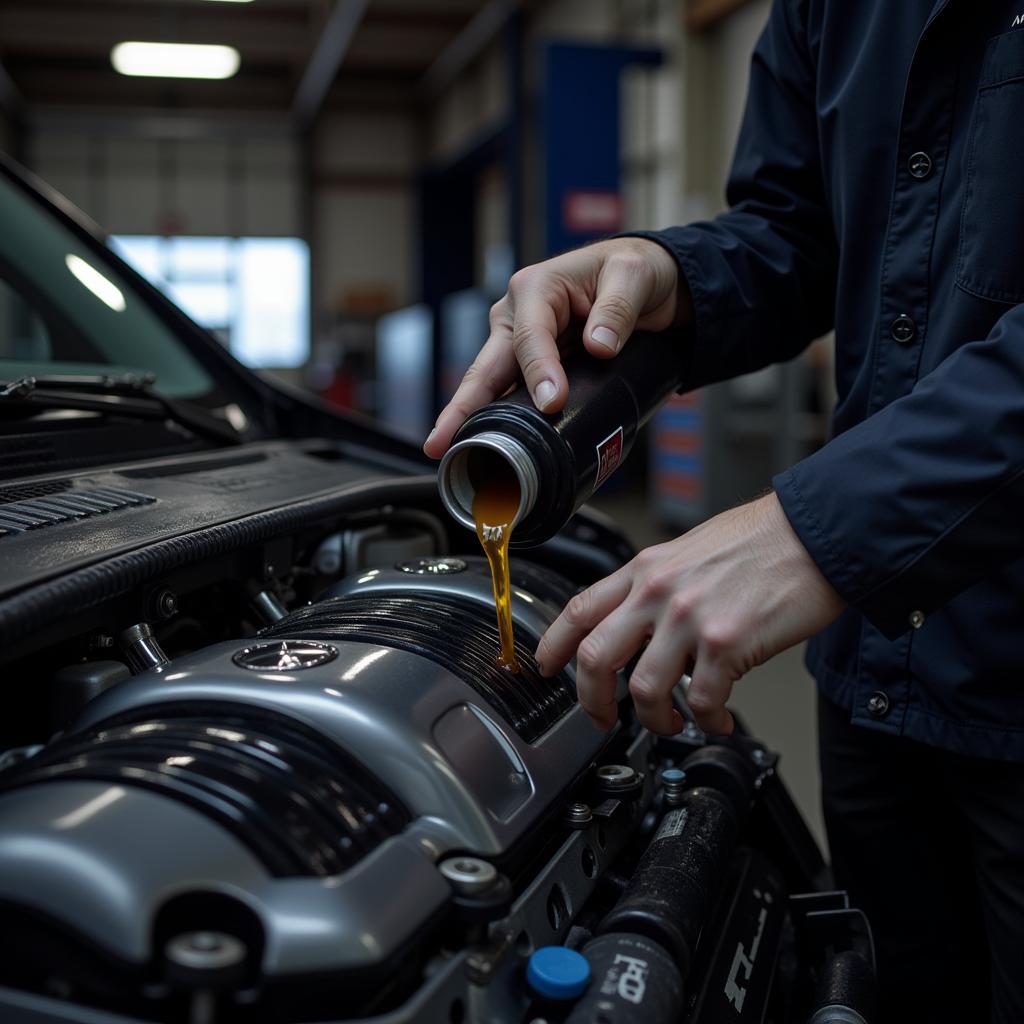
{"type": "Point", "coordinates": [877, 188]}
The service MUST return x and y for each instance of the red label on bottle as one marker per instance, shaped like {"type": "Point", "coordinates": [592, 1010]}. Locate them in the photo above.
{"type": "Point", "coordinates": [609, 455]}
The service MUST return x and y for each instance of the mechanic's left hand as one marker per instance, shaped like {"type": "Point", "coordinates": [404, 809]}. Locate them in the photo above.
{"type": "Point", "coordinates": [724, 597]}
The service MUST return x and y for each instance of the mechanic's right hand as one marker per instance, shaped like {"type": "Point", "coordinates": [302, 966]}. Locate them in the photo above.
{"type": "Point", "coordinates": [618, 286]}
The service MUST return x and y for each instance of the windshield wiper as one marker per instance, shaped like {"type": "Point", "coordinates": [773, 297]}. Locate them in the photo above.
{"type": "Point", "coordinates": [127, 395]}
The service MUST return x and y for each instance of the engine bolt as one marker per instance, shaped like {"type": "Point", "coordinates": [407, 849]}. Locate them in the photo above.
{"type": "Point", "coordinates": [674, 780]}
{"type": "Point", "coordinates": [616, 776]}
{"type": "Point", "coordinates": [578, 816]}
{"type": "Point", "coordinates": [205, 951]}
{"type": "Point", "coordinates": [166, 604]}
{"type": "Point", "coordinates": [468, 876]}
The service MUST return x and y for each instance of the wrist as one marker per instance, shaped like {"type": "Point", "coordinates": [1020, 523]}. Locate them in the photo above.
{"type": "Point", "coordinates": [792, 560]}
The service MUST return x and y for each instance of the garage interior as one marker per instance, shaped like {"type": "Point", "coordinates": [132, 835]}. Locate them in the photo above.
{"type": "Point", "coordinates": [395, 161]}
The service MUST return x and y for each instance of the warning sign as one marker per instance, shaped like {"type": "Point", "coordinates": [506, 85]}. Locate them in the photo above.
{"type": "Point", "coordinates": [609, 455]}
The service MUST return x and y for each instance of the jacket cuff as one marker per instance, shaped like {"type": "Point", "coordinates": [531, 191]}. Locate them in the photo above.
{"type": "Point", "coordinates": [888, 608]}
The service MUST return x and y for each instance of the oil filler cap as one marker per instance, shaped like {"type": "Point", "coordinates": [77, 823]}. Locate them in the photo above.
{"type": "Point", "coordinates": [555, 972]}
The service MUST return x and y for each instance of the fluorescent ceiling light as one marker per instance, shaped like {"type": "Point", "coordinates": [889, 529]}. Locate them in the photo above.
{"type": "Point", "coordinates": [104, 290]}
{"type": "Point", "coordinates": [175, 60]}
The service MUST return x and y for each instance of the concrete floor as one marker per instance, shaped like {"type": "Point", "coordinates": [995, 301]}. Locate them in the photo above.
{"type": "Point", "coordinates": [776, 700]}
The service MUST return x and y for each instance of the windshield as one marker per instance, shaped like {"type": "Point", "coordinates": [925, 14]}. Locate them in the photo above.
{"type": "Point", "coordinates": [63, 311]}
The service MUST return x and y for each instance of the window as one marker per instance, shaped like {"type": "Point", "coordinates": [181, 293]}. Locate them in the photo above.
{"type": "Point", "coordinates": [64, 309]}
{"type": "Point", "coordinates": [23, 334]}
{"type": "Point", "coordinates": [253, 293]}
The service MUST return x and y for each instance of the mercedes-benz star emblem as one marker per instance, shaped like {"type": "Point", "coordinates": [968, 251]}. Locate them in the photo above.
{"type": "Point", "coordinates": [285, 655]}
{"type": "Point", "coordinates": [432, 566]}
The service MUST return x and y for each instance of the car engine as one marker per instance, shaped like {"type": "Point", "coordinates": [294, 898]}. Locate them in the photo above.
{"type": "Point", "coordinates": [346, 811]}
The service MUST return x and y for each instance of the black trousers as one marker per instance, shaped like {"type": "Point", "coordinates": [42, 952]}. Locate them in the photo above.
{"type": "Point", "coordinates": [931, 846]}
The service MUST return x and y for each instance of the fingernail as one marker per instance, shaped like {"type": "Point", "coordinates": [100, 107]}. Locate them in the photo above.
{"type": "Point", "coordinates": [607, 337]}
{"type": "Point", "coordinates": [545, 394]}
{"type": "Point", "coordinates": [430, 437]}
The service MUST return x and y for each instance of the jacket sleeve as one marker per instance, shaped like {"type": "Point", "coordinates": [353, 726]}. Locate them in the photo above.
{"type": "Point", "coordinates": [926, 496]}
{"type": "Point", "coordinates": [762, 276]}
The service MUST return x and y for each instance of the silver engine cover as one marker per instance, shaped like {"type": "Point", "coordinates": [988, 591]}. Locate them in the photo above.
{"type": "Point", "coordinates": [102, 858]}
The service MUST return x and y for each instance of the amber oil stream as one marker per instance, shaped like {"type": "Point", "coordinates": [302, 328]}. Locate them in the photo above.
{"type": "Point", "coordinates": [495, 504]}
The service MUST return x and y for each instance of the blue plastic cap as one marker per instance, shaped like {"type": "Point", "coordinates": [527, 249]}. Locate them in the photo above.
{"type": "Point", "coordinates": [555, 972]}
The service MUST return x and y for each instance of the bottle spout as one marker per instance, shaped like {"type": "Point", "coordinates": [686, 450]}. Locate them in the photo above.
{"type": "Point", "coordinates": [469, 464]}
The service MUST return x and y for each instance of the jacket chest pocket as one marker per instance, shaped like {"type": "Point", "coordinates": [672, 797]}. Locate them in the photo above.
{"type": "Point", "coordinates": [990, 259]}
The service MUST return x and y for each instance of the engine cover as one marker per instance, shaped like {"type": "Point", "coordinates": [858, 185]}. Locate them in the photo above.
{"type": "Point", "coordinates": [314, 775]}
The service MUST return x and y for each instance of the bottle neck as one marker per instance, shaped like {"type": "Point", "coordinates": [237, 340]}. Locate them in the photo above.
{"type": "Point", "coordinates": [469, 463]}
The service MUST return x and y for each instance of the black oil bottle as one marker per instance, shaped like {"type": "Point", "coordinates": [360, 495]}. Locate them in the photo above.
{"type": "Point", "coordinates": [561, 460]}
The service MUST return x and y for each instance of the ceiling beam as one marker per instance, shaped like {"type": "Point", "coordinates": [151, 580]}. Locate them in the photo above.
{"type": "Point", "coordinates": [327, 58]}
{"type": "Point", "coordinates": [467, 45]}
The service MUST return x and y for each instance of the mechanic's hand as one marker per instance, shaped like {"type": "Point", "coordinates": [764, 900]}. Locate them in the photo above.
{"type": "Point", "coordinates": [617, 285]}
{"type": "Point", "coordinates": [724, 597]}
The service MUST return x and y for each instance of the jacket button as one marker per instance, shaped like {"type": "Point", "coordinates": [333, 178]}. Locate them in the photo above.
{"type": "Point", "coordinates": [917, 619]}
{"type": "Point", "coordinates": [903, 329]}
{"type": "Point", "coordinates": [878, 704]}
{"type": "Point", "coordinates": [920, 165]}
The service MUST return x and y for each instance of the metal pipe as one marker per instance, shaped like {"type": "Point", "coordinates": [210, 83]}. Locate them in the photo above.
{"type": "Point", "coordinates": [141, 650]}
{"type": "Point", "coordinates": [268, 607]}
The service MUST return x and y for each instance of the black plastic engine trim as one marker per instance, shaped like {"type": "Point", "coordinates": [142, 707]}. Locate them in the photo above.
{"type": "Point", "coordinates": [49, 602]}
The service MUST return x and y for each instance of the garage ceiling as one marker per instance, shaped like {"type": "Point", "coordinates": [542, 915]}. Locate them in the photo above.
{"type": "Point", "coordinates": [57, 52]}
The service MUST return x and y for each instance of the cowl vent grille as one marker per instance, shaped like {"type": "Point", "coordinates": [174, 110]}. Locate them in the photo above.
{"type": "Point", "coordinates": [50, 508]}
{"type": "Point", "coordinates": [40, 489]}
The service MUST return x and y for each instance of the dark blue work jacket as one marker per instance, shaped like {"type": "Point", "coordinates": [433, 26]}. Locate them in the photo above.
{"type": "Point", "coordinates": [878, 187]}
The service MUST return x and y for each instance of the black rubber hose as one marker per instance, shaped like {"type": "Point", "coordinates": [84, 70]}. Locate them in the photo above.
{"type": "Point", "coordinates": [669, 897]}
{"type": "Point", "coordinates": [846, 992]}
{"type": "Point", "coordinates": [633, 981]}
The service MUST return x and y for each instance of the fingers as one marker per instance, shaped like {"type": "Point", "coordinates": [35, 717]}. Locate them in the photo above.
{"type": "Point", "coordinates": [623, 290]}
{"type": "Point", "coordinates": [524, 328]}
{"type": "Point", "coordinates": [601, 654]}
{"type": "Point", "coordinates": [611, 283]}
{"type": "Point", "coordinates": [542, 310]}
{"type": "Point", "coordinates": [655, 676]}
{"type": "Point", "coordinates": [607, 624]}
{"type": "Point", "coordinates": [708, 693]}
{"type": "Point", "coordinates": [493, 370]}
{"type": "Point", "coordinates": [578, 618]}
